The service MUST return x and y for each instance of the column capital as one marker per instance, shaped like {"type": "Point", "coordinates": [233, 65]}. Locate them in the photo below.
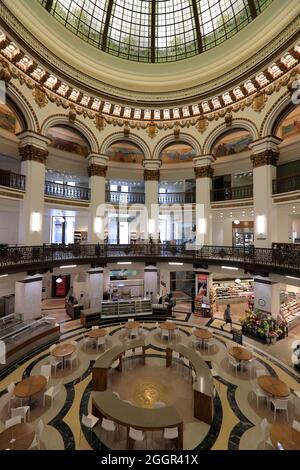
{"type": "Point", "coordinates": [202, 166]}
{"type": "Point", "coordinates": [203, 160]}
{"type": "Point", "coordinates": [33, 146]}
{"type": "Point", "coordinates": [97, 164]}
{"type": "Point", "coordinates": [265, 151]}
{"type": "Point", "coordinates": [151, 170]}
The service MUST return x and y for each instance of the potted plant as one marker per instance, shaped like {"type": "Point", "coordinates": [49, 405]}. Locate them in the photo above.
{"type": "Point", "coordinates": [273, 336]}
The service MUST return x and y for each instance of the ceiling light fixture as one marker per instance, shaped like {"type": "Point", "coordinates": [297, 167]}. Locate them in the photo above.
{"type": "Point", "coordinates": [69, 266]}
{"type": "Point", "coordinates": [230, 267]}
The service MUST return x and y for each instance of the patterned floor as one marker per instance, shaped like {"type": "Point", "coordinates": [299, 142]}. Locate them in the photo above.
{"type": "Point", "coordinates": [236, 422]}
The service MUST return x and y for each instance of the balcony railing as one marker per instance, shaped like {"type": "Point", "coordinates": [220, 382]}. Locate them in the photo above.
{"type": "Point", "coordinates": [12, 180]}
{"type": "Point", "coordinates": [117, 197]}
{"type": "Point", "coordinates": [229, 194]}
{"type": "Point", "coordinates": [66, 191]}
{"type": "Point", "coordinates": [177, 198]}
{"type": "Point", "coordinates": [286, 184]}
{"type": "Point", "coordinates": [260, 260]}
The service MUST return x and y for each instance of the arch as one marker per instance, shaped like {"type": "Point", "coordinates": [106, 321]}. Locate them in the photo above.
{"type": "Point", "coordinates": [170, 139]}
{"type": "Point", "coordinates": [282, 106]}
{"type": "Point", "coordinates": [62, 119]}
{"type": "Point", "coordinates": [237, 124]}
{"type": "Point", "coordinates": [23, 109]}
{"type": "Point", "coordinates": [134, 139]}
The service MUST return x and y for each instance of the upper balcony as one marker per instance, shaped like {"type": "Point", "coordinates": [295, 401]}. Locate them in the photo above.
{"type": "Point", "coordinates": [177, 198]}
{"type": "Point", "coordinates": [231, 194]}
{"type": "Point", "coordinates": [12, 180]}
{"type": "Point", "coordinates": [66, 191]}
{"type": "Point", "coordinates": [118, 197]}
{"type": "Point", "coordinates": [286, 184]}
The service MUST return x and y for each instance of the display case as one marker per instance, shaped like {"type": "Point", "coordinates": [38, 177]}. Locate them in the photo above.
{"type": "Point", "coordinates": [232, 291]}
{"type": "Point", "coordinates": [125, 308]}
{"type": "Point", "coordinates": [290, 307]}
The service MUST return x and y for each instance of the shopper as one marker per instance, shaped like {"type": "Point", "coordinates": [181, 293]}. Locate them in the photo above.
{"type": "Point", "coordinates": [227, 316]}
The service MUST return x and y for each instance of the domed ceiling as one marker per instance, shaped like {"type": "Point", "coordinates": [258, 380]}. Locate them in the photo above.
{"type": "Point", "coordinates": [155, 30]}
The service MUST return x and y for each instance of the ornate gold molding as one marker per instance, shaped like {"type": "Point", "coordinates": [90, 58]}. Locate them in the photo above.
{"type": "Point", "coordinates": [204, 172]}
{"type": "Point", "coordinates": [97, 170]}
{"type": "Point", "coordinates": [34, 154]}
{"type": "Point", "coordinates": [268, 157]}
{"type": "Point", "coordinates": [151, 175]}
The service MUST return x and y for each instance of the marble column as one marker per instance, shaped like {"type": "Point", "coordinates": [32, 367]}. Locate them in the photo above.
{"type": "Point", "coordinates": [151, 178]}
{"type": "Point", "coordinates": [97, 178]}
{"type": "Point", "coordinates": [267, 296]}
{"type": "Point", "coordinates": [95, 286]}
{"type": "Point", "coordinates": [203, 175]}
{"type": "Point", "coordinates": [28, 297]}
{"type": "Point", "coordinates": [265, 154]}
{"type": "Point", "coordinates": [151, 283]}
{"type": "Point", "coordinates": [33, 152]}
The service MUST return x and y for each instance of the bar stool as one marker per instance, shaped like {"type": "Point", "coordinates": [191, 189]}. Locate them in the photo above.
{"type": "Point", "coordinates": [171, 434]}
{"type": "Point", "coordinates": [137, 435]}
{"type": "Point", "coordinates": [108, 426]}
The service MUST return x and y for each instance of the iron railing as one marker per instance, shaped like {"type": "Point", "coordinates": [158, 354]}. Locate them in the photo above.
{"type": "Point", "coordinates": [12, 180]}
{"type": "Point", "coordinates": [117, 197]}
{"type": "Point", "coordinates": [286, 184]}
{"type": "Point", "coordinates": [177, 198]}
{"type": "Point", "coordinates": [66, 191]}
{"type": "Point", "coordinates": [238, 192]}
{"type": "Point", "coordinates": [281, 260]}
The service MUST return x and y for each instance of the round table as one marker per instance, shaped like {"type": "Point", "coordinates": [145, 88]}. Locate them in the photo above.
{"type": "Point", "coordinates": [132, 325]}
{"type": "Point", "coordinates": [241, 354]}
{"type": "Point", "coordinates": [167, 325]}
{"type": "Point", "coordinates": [95, 334]}
{"type": "Point", "coordinates": [31, 386]}
{"type": "Point", "coordinates": [202, 333]}
{"type": "Point", "coordinates": [63, 350]}
{"type": "Point", "coordinates": [17, 437]}
{"type": "Point", "coordinates": [288, 437]}
{"type": "Point", "coordinates": [273, 386]}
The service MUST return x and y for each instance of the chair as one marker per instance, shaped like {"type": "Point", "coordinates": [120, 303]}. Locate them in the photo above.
{"type": "Point", "coordinates": [258, 392]}
{"type": "Point", "coordinates": [21, 411]}
{"type": "Point", "coordinates": [209, 343]}
{"type": "Point", "coordinates": [138, 351]}
{"type": "Point", "coordinates": [12, 421]}
{"type": "Point", "coordinates": [265, 428]}
{"type": "Point", "coordinates": [133, 333]}
{"type": "Point", "coordinates": [128, 401]}
{"type": "Point", "coordinates": [280, 404]}
{"type": "Point", "coordinates": [89, 421]}
{"type": "Point", "coordinates": [46, 371]}
{"type": "Point", "coordinates": [101, 342]}
{"type": "Point", "coordinates": [38, 433]}
{"type": "Point", "coordinates": [234, 363]}
{"type": "Point", "coordinates": [117, 395]}
{"type": "Point", "coordinates": [55, 363]}
{"type": "Point", "coordinates": [186, 363]}
{"type": "Point", "coordinates": [51, 393]}
{"type": "Point", "coordinates": [296, 425]}
{"type": "Point", "coordinates": [171, 434]}
{"type": "Point", "coordinates": [72, 358]}
{"type": "Point", "coordinates": [108, 425]}
{"type": "Point", "coordinates": [52, 347]}
{"type": "Point", "coordinates": [130, 320]}
{"type": "Point", "coordinates": [159, 404]}
{"type": "Point", "coordinates": [95, 327]}
{"type": "Point", "coordinates": [137, 435]}
{"type": "Point", "coordinates": [115, 364]}
{"type": "Point", "coordinates": [86, 340]}
{"type": "Point", "coordinates": [165, 334]}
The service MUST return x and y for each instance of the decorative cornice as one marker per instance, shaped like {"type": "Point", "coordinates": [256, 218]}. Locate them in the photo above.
{"type": "Point", "coordinates": [268, 157]}
{"type": "Point", "coordinates": [97, 170]}
{"type": "Point", "coordinates": [204, 172]}
{"type": "Point", "coordinates": [32, 153]}
{"type": "Point", "coordinates": [151, 175]}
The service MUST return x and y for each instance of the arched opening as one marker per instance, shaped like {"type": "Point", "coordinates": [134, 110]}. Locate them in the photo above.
{"type": "Point", "coordinates": [287, 125]}
{"type": "Point", "coordinates": [11, 119]}
{"type": "Point", "coordinates": [69, 140]}
{"type": "Point", "coordinates": [179, 152]}
{"type": "Point", "coordinates": [232, 142]}
{"type": "Point", "coordinates": [125, 151]}
{"type": "Point", "coordinates": [11, 122]}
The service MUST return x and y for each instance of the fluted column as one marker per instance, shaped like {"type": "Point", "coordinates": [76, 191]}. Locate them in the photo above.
{"type": "Point", "coordinates": [203, 175]}
{"type": "Point", "coordinates": [97, 177]}
{"type": "Point", "coordinates": [265, 154]}
{"type": "Point", "coordinates": [151, 178]}
{"type": "Point", "coordinates": [33, 152]}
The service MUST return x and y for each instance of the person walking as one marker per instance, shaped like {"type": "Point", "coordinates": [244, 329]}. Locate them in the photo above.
{"type": "Point", "coordinates": [227, 317]}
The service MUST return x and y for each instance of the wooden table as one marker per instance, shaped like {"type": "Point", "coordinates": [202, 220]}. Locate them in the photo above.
{"type": "Point", "coordinates": [167, 325]}
{"type": "Point", "coordinates": [95, 334]}
{"type": "Point", "coordinates": [202, 333]}
{"type": "Point", "coordinates": [273, 386]}
{"type": "Point", "coordinates": [17, 437]}
{"type": "Point", "coordinates": [63, 350]}
{"type": "Point", "coordinates": [241, 354]}
{"type": "Point", "coordinates": [31, 386]}
{"type": "Point", "coordinates": [288, 437]}
{"type": "Point", "coordinates": [132, 325]}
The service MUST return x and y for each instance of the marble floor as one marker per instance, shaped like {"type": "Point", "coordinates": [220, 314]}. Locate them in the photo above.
{"type": "Point", "coordinates": [236, 422]}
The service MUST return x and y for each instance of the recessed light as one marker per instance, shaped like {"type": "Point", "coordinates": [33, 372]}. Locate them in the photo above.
{"type": "Point", "coordinates": [175, 264]}
{"type": "Point", "coordinates": [230, 267]}
{"type": "Point", "coordinates": [236, 222]}
{"type": "Point", "coordinates": [70, 266]}
{"type": "Point", "coordinates": [124, 262]}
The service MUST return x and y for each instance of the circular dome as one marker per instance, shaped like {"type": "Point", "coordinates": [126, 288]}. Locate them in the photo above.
{"type": "Point", "coordinates": [155, 30]}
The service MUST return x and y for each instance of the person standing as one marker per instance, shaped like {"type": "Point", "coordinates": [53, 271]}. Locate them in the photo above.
{"type": "Point", "coordinates": [227, 316]}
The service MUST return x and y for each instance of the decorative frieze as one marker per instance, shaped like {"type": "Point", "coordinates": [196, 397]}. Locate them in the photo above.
{"type": "Point", "coordinates": [97, 170]}
{"type": "Point", "coordinates": [32, 153]}
{"type": "Point", "coordinates": [204, 172]}
{"type": "Point", "coordinates": [267, 157]}
{"type": "Point", "coordinates": [151, 175]}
